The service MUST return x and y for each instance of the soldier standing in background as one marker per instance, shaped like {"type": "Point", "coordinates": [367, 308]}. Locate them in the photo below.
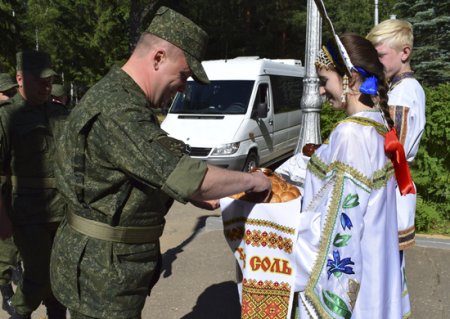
{"type": "Point", "coordinates": [59, 94]}
{"type": "Point", "coordinates": [10, 268]}
{"type": "Point", "coordinates": [8, 88]}
{"type": "Point", "coordinates": [28, 126]}
{"type": "Point", "coordinates": [120, 174]}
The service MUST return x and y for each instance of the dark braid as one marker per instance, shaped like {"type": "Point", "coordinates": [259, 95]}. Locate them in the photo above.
{"type": "Point", "coordinates": [363, 54]}
{"type": "Point", "coordinates": [382, 91]}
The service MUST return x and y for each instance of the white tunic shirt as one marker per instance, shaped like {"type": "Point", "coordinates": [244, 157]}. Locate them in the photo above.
{"type": "Point", "coordinates": [407, 99]}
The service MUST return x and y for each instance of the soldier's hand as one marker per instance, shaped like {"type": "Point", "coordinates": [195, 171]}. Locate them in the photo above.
{"type": "Point", "coordinates": [206, 204]}
{"type": "Point", "coordinates": [263, 186]}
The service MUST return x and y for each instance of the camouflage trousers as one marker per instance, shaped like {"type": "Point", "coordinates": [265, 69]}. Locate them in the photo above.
{"type": "Point", "coordinates": [9, 260]}
{"type": "Point", "coordinates": [34, 243]}
{"type": "Point", "coordinates": [77, 315]}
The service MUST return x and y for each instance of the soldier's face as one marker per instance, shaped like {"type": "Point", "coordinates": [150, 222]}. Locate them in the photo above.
{"type": "Point", "coordinates": [176, 73]}
{"type": "Point", "coordinates": [34, 89]}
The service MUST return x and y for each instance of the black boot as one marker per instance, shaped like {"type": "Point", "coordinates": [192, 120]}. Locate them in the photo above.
{"type": "Point", "coordinates": [55, 310]}
{"type": "Point", "coordinates": [15, 315]}
{"type": "Point", "coordinates": [56, 313]}
{"type": "Point", "coordinates": [7, 293]}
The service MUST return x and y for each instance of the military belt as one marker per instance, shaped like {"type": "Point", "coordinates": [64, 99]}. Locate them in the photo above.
{"type": "Point", "coordinates": [30, 182]}
{"type": "Point", "coordinates": [119, 234]}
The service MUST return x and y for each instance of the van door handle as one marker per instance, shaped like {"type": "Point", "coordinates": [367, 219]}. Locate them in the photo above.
{"type": "Point", "coordinates": [270, 122]}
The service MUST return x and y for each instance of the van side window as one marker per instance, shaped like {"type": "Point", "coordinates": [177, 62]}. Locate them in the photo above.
{"type": "Point", "coordinates": [287, 93]}
{"type": "Point", "coordinates": [262, 96]}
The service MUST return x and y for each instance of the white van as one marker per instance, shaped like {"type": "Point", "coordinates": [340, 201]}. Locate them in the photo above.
{"type": "Point", "coordinates": [248, 116]}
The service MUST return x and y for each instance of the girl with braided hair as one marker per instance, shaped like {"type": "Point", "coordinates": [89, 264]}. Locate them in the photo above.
{"type": "Point", "coordinates": [347, 258]}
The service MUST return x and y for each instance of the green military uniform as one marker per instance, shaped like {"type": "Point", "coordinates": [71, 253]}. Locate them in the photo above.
{"type": "Point", "coordinates": [9, 255]}
{"type": "Point", "coordinates": [6, 83]}
{"type": "Point", "coordinates": [120, 174]}
{"type": "Point", "coordinates": [118, 168]}
{"type": "Point", "coordinates": [35, 207]}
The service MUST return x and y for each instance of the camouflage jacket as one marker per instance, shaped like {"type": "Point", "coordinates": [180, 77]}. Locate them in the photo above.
{"type": "Point", "coordinates": [27, 152]}
{"type": "Point", "coordinates": [119, 168]}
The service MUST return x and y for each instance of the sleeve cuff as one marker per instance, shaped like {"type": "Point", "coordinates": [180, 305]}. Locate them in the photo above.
{"type": "Point", "coordinates": [185, 179]}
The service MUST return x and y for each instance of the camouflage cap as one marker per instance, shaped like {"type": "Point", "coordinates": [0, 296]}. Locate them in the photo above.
{"type": "Point", "coordinates": [58, 90]}
{"type": "Point", "coordinates": [36, 62]}
{"type": "Point", "coordinates": [6, 82]}
{"type": "Point", "coordinates": [185, 34]}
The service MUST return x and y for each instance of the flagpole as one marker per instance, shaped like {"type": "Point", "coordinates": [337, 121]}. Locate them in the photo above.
{"type": "Point", "coordinates": [376, 13]}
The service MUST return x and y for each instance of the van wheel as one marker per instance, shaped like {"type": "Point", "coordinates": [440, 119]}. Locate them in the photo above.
{"type": "Point", "coordinates": [251, 162]}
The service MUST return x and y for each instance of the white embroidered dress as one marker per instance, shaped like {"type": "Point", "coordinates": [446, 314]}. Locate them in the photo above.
{"type": "Point", "coordinates": [347, 253]}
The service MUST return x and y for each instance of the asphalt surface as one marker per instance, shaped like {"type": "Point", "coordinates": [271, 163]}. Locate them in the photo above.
{"type": "Point", "coordinates": [198, 275]}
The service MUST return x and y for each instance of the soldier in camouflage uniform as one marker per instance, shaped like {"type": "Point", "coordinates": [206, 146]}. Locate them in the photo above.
{"type": "Point", "coordinates": [10, 268]}
{"type": "Point", "coordinates": [59, 94]}
{"type": "Point", "coordinates": [28, 128]}
{"type": "Point", "coordinates": [8, 88]}
{"type": "Point", "coordinates": [120, 174]}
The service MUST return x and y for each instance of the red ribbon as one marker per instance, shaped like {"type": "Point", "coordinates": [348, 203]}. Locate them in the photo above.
{"type": "Point", "coordinates": [394, 150]}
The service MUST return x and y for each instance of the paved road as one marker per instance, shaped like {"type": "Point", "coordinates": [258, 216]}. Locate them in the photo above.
{"type": "Point", "coordinates": [199, 270]}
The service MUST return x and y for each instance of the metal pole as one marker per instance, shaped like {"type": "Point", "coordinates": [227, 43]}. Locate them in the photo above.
{"type": "Point", "coordinates": [376, 13]}
{"type": "Point", "coordinates": [311, 101]}
{"type": "Point", "coordinates": [36, 34]}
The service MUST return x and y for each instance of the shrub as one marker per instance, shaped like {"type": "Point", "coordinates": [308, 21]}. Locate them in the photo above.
{"type": "Point", "coordinates": [431, 168]}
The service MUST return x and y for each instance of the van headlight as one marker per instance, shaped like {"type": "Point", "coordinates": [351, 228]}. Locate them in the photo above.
{"type": "Point", "coordinates": [226, 149]}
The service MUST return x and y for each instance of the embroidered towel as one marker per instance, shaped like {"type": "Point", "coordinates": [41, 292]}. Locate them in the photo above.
{"type": "Point", "coordinates": [261, 237]}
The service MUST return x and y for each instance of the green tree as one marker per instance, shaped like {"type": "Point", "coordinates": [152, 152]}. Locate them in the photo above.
{"type": "Point", "coordinates": [10, 29]}
{"type": "Point", "coordinates": [431, 54]}
{"type": "Point", "coordinates": [269, 29]}
{"type": "Point", "coordinates": [431, 169]}
{"type": "Point", "coordinates": [356, 15]}
{"type": "Point", "coordinates": [83, 37]}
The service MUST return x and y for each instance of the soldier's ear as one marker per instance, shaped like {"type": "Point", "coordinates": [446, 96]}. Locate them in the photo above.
{"type": "Point", "coordinates": [158, 58]}
{"type": "Point", "coordinates": [19, 79]}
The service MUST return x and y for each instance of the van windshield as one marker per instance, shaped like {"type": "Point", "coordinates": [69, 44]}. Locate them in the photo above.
{"type": "Point", "coordinates": [218, 97]}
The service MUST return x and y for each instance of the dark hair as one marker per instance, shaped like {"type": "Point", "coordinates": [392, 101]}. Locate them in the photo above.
{"type": "Point", "coordinates": [363, 54]}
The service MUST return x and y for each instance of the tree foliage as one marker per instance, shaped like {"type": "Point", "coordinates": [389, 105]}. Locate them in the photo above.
{"type": "Point", "coordinates": [431, 169]}
{"type": "Point", "coordinates": [356, 16]}
{"type": "Point", "coordinates": [431, 54]}
{"type": "Point", "coordinates": [10, 30]}
{"type": "Point", "coordinates": [86, 37]}
{"type": "Point", "coordinates": [83, 37]}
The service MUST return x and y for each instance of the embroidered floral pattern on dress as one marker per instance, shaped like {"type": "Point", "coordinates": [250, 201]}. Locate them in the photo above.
{"type": "Point", "coordinates": [346, 221]}
{"type": "Point", "coordinates": [337, 267]}
{"type": "Point", "coordinates": [336, 304]}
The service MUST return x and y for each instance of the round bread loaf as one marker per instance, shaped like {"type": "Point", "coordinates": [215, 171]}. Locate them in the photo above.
{"type": "Point", "coordinates": [282, 191]}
